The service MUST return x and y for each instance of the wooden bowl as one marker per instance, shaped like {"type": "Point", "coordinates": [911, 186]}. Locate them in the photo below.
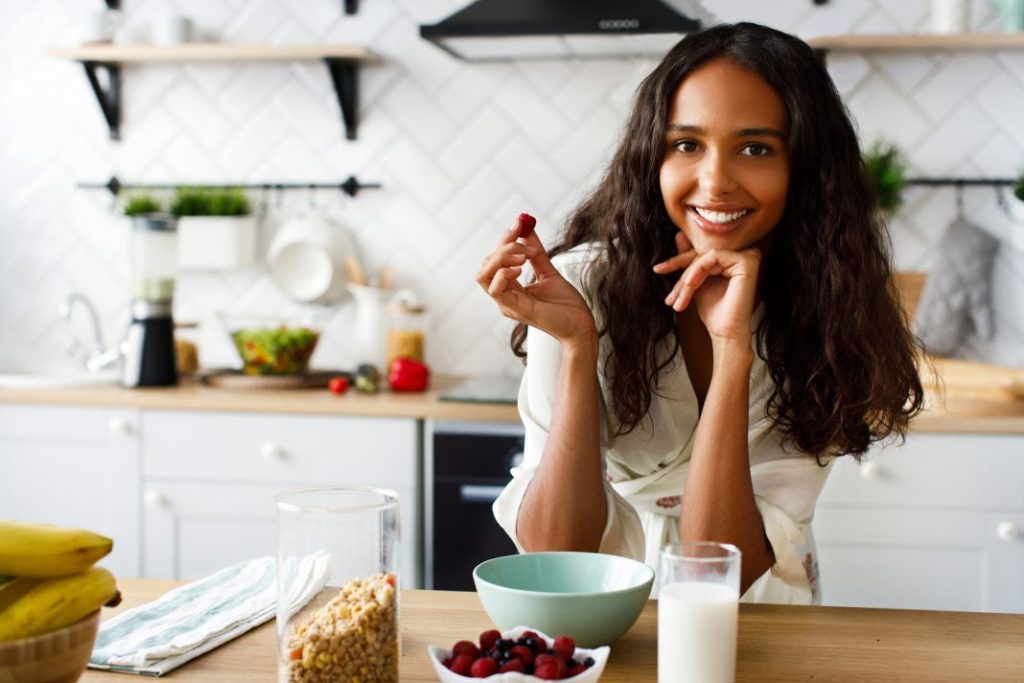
{"type": "Point", "coordinates": [56, 657]}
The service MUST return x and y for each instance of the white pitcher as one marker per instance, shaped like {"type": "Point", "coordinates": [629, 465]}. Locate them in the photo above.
{"type": "Point", "coordinates": [370, 332]}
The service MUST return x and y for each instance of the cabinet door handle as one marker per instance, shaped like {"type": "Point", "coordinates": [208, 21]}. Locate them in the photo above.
{"type": "Point", "coordinates": [119, 425]}
{"type": "Point", "coordinates": [870, 470]}
{"type": "Point", "coordinates": [155, 499]}
{"type": "Point", "coordinates": [469, 493]}
{"type": "Point", "coordinates": [1007, 531]}
{"type": "Point", "coordinates": [271, 452]}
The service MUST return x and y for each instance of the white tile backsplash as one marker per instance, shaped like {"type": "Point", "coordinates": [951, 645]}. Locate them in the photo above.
{"type": "Point", "coordinates": [460, 148]}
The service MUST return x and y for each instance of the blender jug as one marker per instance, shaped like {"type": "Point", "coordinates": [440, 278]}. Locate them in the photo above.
{"type": "Point", "coordinates": [149, 345]}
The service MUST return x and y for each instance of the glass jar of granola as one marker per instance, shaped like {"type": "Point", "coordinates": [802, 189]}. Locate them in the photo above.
{"type": "Point", "coordinates": [338, 585]}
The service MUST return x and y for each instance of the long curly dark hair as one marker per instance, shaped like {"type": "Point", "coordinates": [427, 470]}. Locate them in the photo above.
{"type": "Point", "coordinates": [833, 336]}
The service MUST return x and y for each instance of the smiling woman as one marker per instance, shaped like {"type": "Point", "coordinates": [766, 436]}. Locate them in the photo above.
{"type": "Point", "coordinates": [725, 172]}
{"type": "Point", "coordinates": [716, 325]}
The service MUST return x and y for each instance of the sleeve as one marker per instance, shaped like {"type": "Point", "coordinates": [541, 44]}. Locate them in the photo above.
{"type": "Point", "coordinates": [786, 491]}
{"type": "Point", "coordinates": [623, 533]}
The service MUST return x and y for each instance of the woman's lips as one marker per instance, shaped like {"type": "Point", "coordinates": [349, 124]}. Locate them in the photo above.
{"type": "Point", "coordinates": [717, 228]}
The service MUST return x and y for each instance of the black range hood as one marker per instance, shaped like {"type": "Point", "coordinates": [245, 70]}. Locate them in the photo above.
{"type": "Point", "coordinates": [521, 29]}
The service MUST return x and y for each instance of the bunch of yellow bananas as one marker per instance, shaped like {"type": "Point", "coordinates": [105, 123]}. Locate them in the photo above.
{"type": "Point", "coordinates": [47, 580]}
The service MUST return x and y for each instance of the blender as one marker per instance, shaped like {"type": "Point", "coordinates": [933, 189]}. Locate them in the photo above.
{"type": "Point", "coordinates": [149, 345]}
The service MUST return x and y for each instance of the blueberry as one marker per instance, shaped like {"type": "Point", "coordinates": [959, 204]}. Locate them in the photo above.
{"type": "Point", "coordinates": [531, 643]}
{"type": "Point", "coordinates": [572, 663]}
{"type": "Point", "coordinates": [588, 662]}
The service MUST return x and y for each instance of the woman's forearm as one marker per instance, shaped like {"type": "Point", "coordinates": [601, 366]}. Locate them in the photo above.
{"type": "Point", "coordinates": [564, 507]}
{"type": "Point", "coordinates": [718, 503]}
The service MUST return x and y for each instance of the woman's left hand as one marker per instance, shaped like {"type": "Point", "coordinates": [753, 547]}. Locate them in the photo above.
{"type": "Point", "coordinates": [723, 285]}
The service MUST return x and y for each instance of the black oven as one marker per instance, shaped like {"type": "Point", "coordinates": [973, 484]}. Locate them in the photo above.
{"type": "Point", "coordinates": [467, 466]}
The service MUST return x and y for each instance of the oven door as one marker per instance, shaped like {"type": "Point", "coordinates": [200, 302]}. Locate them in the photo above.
{"type": "Point", "coordinates": [470, 467]}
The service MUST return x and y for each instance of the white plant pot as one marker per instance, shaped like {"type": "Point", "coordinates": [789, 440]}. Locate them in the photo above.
{"type": "Point", "coordinates": [217, 242]}
{"type": "Point", "coordinates": [1016, 207]}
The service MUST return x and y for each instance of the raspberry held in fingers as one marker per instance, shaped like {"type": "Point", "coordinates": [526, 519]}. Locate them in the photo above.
{"type": "Point", "coordinates": [527, 223]}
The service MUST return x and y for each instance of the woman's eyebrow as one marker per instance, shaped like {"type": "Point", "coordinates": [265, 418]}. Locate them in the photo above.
{"type": "Point", "coordinates": [742, 133]}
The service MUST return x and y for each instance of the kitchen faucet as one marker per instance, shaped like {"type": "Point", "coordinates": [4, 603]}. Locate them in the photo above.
{"type": "Point", "coordinates": [95, 357]}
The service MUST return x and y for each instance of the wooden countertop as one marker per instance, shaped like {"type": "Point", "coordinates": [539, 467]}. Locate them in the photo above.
{"type": "Point", "coordinates": [775, 643]}
{"type": "Point", "coordinates": [192, 395]}
{"type": "Point", "coordinates": [963, 397]}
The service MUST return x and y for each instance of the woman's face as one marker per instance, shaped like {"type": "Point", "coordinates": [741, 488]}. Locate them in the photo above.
{"type": "Point", "coordinates": [725, 172]}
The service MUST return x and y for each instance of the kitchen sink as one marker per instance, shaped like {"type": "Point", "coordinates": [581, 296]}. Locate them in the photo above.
{"type": "Point", "coordinates": [26, 379]}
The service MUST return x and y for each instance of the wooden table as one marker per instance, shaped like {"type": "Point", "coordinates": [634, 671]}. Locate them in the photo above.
{"type": "Point", "coordinates": [776, 643]}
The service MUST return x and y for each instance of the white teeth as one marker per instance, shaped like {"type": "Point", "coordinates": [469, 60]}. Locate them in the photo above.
{"type": "Point", "coordinates": [719, 216]}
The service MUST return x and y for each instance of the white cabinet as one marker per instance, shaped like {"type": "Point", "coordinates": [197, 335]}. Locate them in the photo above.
{"type": "Point", "coordinates": [937, 523]}
{"type": "Point", "coordinates": [210, 480]}
{"type": "Point", "coordinates": [74, 467]}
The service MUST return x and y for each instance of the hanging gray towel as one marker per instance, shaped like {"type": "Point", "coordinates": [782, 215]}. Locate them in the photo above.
{"type": "Point", "coordinates": [957, 296]}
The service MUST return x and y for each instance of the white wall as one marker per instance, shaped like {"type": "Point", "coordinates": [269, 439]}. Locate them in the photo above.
{"type": "Point", "coordinates": [460, 148]}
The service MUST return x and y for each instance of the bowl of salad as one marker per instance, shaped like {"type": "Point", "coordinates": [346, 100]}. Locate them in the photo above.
{"type": "Point", "coordinates": [273, 345]}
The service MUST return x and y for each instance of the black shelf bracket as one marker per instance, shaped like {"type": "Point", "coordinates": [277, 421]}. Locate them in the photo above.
{"type": "Point", "coordinates": [345, 77]}
{"type": "Point", "coordinates": [110, 98]}
{"type": "Point", "coordinates": [351, 6]}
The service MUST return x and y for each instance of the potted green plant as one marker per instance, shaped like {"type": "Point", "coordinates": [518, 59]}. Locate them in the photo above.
{"type": "Point", "coordinates": [216, 228]}
{"type": "Point", "coordinates": [140, 204]}
{"type": "Point", "coordinates": [886, 173]}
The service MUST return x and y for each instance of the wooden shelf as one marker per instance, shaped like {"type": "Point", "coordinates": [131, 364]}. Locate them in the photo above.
{"type": "Point", "coordinates": [919, 42]}
{"type": "Point", "coordinates": [203, 52]}
{"type": "Point", "coordinates": [342, 66]}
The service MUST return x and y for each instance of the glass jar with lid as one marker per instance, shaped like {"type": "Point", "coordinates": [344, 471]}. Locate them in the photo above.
{"type": "Point", "coordinates": [407, 327]}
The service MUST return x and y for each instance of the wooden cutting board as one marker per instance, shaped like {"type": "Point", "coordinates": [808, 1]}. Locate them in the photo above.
{"type": "Point", "coordinates": [972, 379]}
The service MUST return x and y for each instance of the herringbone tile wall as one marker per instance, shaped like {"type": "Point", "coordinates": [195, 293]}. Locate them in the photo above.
{"type": "Point", "coordinates": [460, 149]}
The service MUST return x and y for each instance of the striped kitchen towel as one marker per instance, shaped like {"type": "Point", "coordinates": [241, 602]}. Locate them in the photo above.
{"type": "Point", "coordinates": [160, 636]}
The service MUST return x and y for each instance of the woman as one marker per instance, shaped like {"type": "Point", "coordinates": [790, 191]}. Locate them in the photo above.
{"type": "Point", "coordinates": [718, 319]}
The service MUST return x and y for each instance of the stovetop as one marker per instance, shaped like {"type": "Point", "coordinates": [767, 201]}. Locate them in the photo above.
{"type": "Point", "coordinates": [485, 389]}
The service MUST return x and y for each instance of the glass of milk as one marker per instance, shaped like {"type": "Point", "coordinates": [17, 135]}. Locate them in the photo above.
{"type": "Point", "coordinates": [698, 609]}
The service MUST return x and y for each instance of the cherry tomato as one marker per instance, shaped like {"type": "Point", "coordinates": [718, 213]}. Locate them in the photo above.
{"type": "Point", "coordinates": [338, 385]}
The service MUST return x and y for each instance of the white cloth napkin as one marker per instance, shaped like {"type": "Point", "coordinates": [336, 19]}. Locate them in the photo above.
{"type": "Point", "coordinates": [160, 636]}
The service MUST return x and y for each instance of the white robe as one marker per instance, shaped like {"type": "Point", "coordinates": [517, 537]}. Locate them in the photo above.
{"type": "Point", "coordinates": [645, 470]}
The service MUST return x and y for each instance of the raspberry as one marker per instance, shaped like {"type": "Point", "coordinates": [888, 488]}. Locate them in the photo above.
{"type": "Point", "coordinates": [549, 661]}
{"type": "Point", "coordinates": [524, 653]}
{"type": "Point", "coordinates": [578, 669]}
{"type": "Point", "coordinates": [462, 664]}
{"type": "Point", "coordinates": [548, 671]}
{"type": "Point", "coordinates": [565, 647]}
{"type": "Point", "coordinates": [447, 661]}
{"type": "Point", "coordinates": [512, 665]}
{"type": "Point", "coordinates": [526, 223]}
{"type": "Point", "coordinates": [539, 645]}
{"type": "Point", "coordinates": [483, 667]}
{"type": "Point", "coordinates": [464, 647]}
{"type": "Point", "coordinates": [488, 639]}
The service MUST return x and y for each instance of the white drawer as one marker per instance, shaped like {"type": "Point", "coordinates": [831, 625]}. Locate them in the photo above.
{"type": "Point", "coordinates": [46, 423]}
{"type": "Point", "coordinates": [271, 448]}
{"type": "Point", "coordinates": [965, 471]}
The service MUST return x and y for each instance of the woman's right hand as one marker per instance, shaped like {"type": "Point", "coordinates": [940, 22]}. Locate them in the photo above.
{"type": "Point", "coordinates": [550, 303]}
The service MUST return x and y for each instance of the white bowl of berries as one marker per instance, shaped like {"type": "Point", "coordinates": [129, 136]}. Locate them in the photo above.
{"type": "Point", "coordinates": [518, 655]}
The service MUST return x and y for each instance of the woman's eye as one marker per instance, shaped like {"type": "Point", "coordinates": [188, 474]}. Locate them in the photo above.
{"type": "Point", "coordinates": [685, 145]}
{"type": "Point", "coordinates": [756, 149]}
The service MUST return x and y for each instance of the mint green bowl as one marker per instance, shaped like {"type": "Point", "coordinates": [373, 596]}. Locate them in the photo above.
{"type": "Point", "coordinates": [592, 597]}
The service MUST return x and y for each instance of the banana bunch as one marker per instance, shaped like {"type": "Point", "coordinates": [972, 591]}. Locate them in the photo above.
{"type": "Point", "coordinates": [47, 580]}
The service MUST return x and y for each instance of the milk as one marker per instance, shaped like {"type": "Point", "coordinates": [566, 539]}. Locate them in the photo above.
{"type": "Point", "coordinates": [697, 633]}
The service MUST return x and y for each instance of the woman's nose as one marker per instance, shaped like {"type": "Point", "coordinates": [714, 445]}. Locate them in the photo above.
{"type": "Point", "coordinates": [715, 176]}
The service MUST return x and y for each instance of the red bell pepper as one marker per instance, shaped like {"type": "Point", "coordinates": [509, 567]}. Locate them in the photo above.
{"type": "Point", "coordinates": [406, 374]}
